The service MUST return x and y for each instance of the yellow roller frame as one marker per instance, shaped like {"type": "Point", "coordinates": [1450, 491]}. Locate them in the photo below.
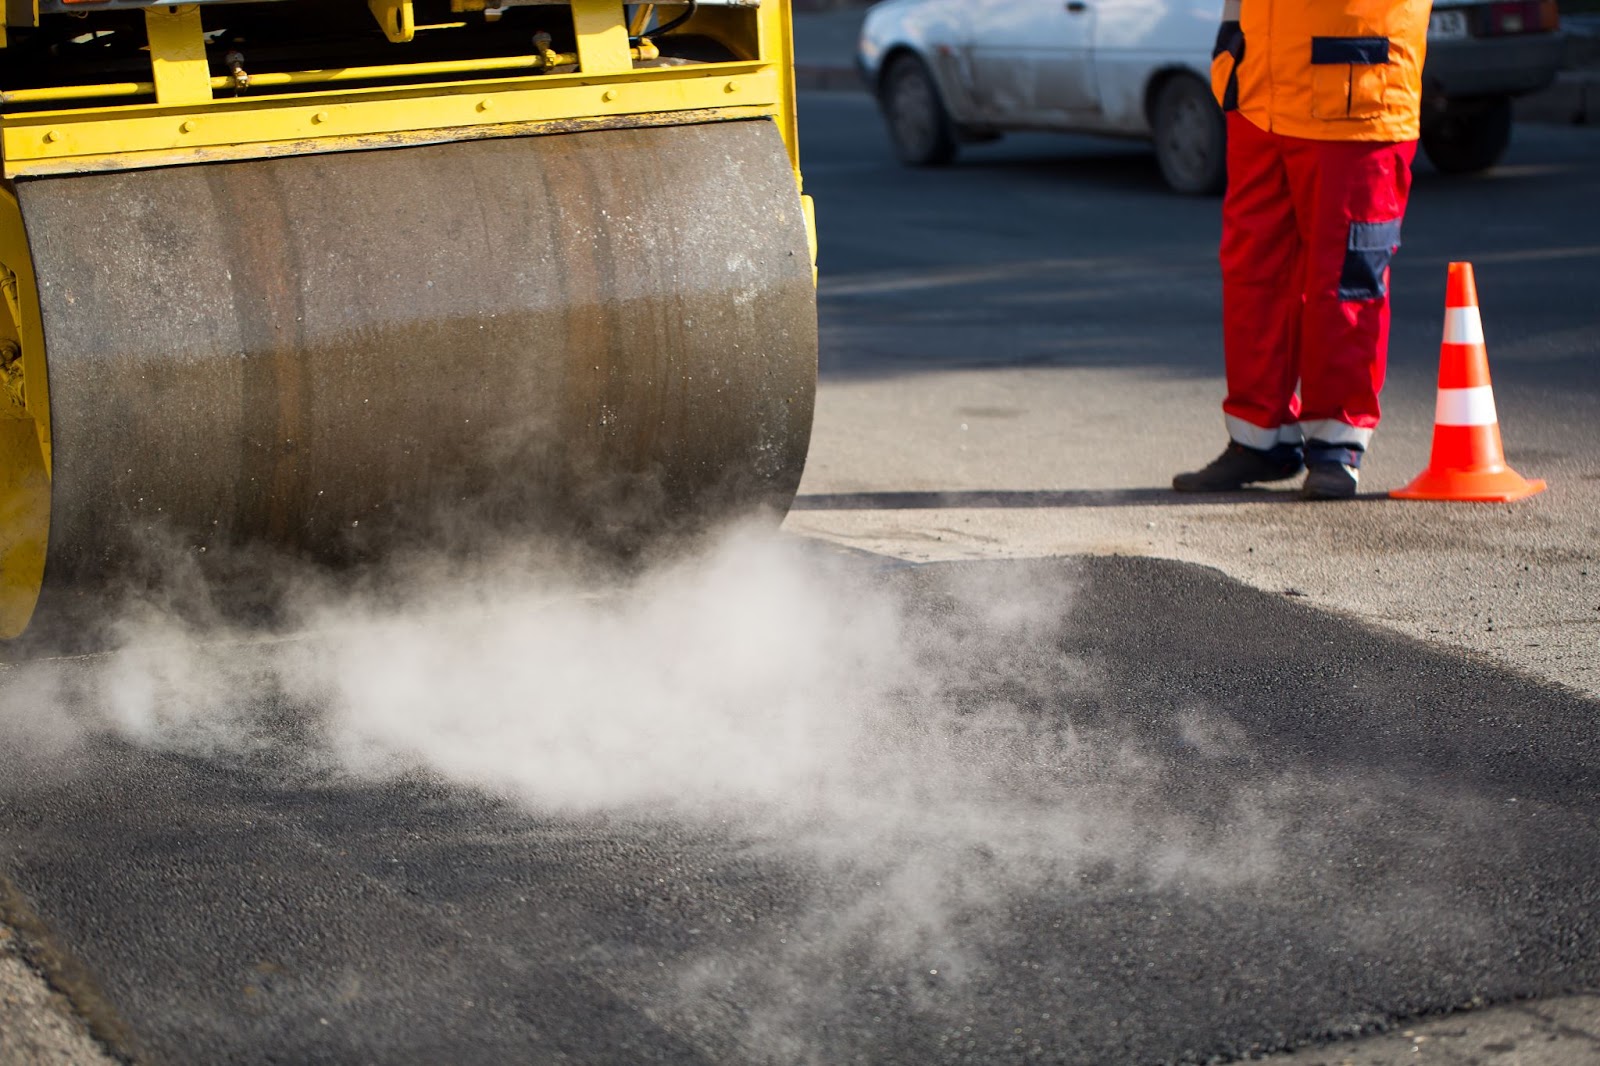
{"type": "Point", "coordinates": [187, 123]}
{"type": "Point", "coordinates": [429, 103]}
{"type": "Point", "coordinates": [24, 428]}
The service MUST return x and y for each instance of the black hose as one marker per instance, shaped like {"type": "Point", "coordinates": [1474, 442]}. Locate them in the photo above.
{"type": "Point", "coordinates": [667, 27]}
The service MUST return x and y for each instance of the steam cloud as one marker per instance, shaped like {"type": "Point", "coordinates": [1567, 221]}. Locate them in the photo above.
{"type": "Point", "coordinates": [794, 698]}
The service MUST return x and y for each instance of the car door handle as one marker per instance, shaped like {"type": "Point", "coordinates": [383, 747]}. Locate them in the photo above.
{"type": "Point", "coordinates": [1077, 7]}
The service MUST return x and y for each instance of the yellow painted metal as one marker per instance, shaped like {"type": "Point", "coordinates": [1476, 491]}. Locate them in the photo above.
{"type": "Point", "coordinates": [810, 210]}
{"type": "Point", "coordinates": [777, 42]}
{"type": "Point", "coordinates": [24, 428]}
{"type": "Point", "coordinates": [24, 524]}
{"type": "Point", "coordinates": [396, 17]}
{"type": "Point", "coordinates": [602, 36]}
{"type": "Point", "coordinates": [187, 124]}
{"type": "Point", "coordinates": [120, 137]}
{"type": "Point", "coordinates": [20, 311]}
{"type": "Point", "coordinates": [61, 94]}
{"type": "Point", "coordinates": [178, 54]}
{"type": "Point", "coordinates": [384, 72]}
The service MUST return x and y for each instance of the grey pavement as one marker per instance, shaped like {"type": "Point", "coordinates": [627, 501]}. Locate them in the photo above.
{"type": "Point", "coordinates": [1551, 1032]}
{"type": "Point", "coordinates": [1045, 323]}
{"type": "Point", "coordinates": [38, 1025]}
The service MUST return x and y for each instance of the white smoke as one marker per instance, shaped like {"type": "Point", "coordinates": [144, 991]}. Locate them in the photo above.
{"type": "Point", "coordinates": [925, 749]}
{"type": "Point", "coordinates": [796, 692]}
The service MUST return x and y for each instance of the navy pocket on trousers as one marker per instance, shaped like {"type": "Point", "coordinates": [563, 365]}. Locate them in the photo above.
{"type": "Point", "coordinates": [1366, 259]}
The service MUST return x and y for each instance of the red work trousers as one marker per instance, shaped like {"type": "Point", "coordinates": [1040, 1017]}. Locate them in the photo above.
{"type": "Point", "coordinates": [1308, 229]}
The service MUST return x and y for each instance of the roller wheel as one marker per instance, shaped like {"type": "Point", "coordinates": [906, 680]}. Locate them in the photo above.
{"type": "Point", "coordinates": [264, 364]}
{"type": "Point", "coordinates": [1191, 139]}
{"type": "Point", "coordinates": [919, 125]}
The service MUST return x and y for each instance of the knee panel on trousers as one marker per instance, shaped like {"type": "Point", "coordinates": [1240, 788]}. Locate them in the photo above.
{"type": "Point", "coordinates": [1370, 247]}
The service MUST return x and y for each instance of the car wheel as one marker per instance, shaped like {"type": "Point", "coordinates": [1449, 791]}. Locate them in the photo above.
{"type": "Point", "coordinates": [1466, 139]}
{"type": "Point", "coordinates": [1190, 137]}
{"type": "Point", "coordinates": [919, 126]}
{"type": "Point", "coordinates": [976, 135]}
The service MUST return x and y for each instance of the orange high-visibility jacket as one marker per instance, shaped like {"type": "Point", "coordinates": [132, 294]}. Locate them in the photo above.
{"type": "Point", "coordinates": [1328, 70]}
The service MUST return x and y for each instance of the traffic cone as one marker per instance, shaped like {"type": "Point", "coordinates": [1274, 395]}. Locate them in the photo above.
{"type": "Point", "coordinates": [1468, 462]}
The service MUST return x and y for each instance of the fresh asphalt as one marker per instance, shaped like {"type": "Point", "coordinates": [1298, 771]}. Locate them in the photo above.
{"type": "Point", "coordinates": [1427, 831]}
{"type": "Point", "coordinates": [1293, 826]}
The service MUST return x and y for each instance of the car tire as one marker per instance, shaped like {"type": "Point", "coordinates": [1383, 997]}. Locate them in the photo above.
{"type": "Point", "coordinates": [919, 126]}
{"type": "Point", "coordinates": [1468, 139]}
{"type": "Point", "coordinates": [976, 135]}
{"type": "Point", "coordinates": [1191, 139]}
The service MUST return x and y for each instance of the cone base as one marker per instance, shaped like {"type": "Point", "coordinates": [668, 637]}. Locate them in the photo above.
{"type": "Point", "coordinates": [1470, 486]}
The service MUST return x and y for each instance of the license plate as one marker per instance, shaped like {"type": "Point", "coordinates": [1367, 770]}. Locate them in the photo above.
{"type": "Point", "coordinates": [1447, 25]}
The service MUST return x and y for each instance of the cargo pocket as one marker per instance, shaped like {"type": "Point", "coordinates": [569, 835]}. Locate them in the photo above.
{"type": "Point", "coordinates": [1349, 76]}
{"type": "Point", "coordinates": [1366, 259]}
{"type": "Point", "coordinates": [1225, 59]}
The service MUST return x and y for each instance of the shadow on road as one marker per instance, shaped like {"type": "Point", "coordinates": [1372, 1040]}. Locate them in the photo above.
{"type": "Point", "coordinates": [1021, 499]}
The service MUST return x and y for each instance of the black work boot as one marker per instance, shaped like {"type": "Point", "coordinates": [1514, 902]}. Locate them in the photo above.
{"type": "Point", "coordinates": [1239, 466]}
{"type": "Point", "coordinates": [1333, 471]}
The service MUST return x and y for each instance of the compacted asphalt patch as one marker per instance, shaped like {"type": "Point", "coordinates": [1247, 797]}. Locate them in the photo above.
{"type": "Point", "coordinates": [1155, 816]}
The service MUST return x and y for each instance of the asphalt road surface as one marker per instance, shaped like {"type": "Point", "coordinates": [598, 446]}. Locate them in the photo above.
{"type": "Point", "coordinates": [797, 805]}
{"type": "Point", "coordinates": [1021, 350]}
{"type": "Point", "coordinates": [1118, 833]}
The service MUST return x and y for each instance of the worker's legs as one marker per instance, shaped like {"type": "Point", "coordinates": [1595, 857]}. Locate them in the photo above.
{"type": "Point", "coordinates": [1261, 264]}
{"type": "Point", "coordinates": [1261, 305]}
{"type": "Point", "coordinates": [1350, 198]}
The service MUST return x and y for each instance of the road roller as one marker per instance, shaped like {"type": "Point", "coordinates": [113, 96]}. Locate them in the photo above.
{"type": "Point", "coordinates": [319, 280]}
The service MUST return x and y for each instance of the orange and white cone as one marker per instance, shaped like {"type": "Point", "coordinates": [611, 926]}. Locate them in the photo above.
{"type": "Point", "coordinates": [1468, 462]}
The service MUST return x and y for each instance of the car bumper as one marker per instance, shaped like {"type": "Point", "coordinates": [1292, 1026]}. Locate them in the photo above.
{"type": "Point", "coordinates": [1497, 66]}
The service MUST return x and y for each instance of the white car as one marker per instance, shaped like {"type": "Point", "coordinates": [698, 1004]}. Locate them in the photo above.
{"type": "Point", "coordinates": [952, 71]}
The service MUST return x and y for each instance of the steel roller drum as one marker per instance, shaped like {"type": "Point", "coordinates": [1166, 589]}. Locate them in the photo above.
{"type": "Point", "coordinates": [606, 334]}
